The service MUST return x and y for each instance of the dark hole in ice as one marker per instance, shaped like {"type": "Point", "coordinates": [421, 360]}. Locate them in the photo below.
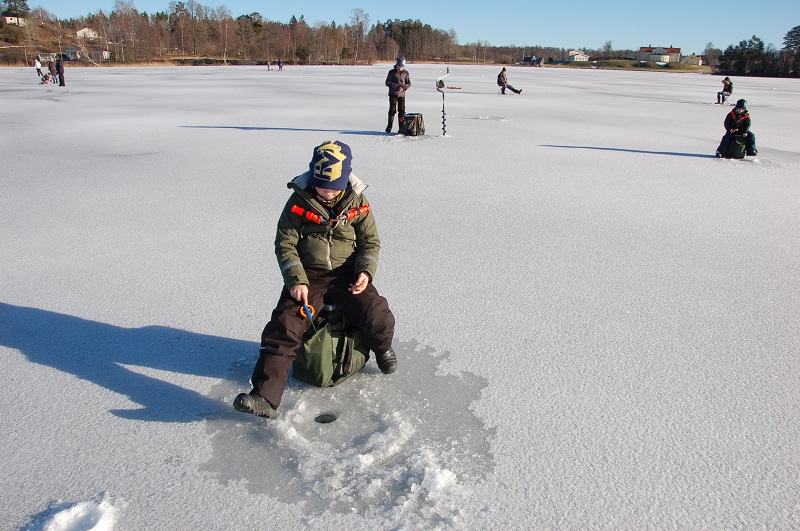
{"type": "Point", "coordinates": [325, 418]}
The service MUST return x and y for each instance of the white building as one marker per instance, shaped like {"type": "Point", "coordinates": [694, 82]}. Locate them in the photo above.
{"type": "Point", "coordinates": [577, 55]}
{"type": "Point", "coordinates": [15, 21]}
{"type": "Point", "coordinates": [659, 54]}
{"type": "Point", "coordinates": [693, 60]}
{"type": "Point", "coordinates": [87, 34]}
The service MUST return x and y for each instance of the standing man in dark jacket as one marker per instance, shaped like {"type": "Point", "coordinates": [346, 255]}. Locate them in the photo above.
{"type": "Point", "coordinates": [398, 82]}
{"type": "Point", "coordinates": [737, 123]}
{"type": "Point", "coordinates": [60, 70]}
{"type": "Point", "coordinates": [327, 246]}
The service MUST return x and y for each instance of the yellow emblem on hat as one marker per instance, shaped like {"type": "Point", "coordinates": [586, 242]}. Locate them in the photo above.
{"type": "Point", "coordinates": [330, 161]}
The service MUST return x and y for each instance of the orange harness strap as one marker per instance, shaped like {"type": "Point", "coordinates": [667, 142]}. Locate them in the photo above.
{"type": "Point", "coordinates": [303, 213]}
{"type": "Point", "coordinates": [316, 218]}
{"type": "Point", "coordinates": [354, 213]}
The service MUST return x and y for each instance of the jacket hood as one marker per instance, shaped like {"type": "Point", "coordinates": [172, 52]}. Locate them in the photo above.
{"type": "Point", "coordinates": [301, 182]}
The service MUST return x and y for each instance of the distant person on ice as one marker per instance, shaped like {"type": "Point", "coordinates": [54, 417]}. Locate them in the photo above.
{"type": "Point", "coordinates": [502, 82]}
{"type": "Point", "coordinates": [727, 90]}
{"type": "Point", "coordinates": [322, 254]}
{"type": "Point", "coordinates": [60, 71]}
{"type": "Point", "coordinates": [38, 66]}
{"type": "Point", "coordinates": [51, 67]}
{"type": "Point", "coordinates": [398, 82]}
{"type": "Point", "coordinates": [737, 123]}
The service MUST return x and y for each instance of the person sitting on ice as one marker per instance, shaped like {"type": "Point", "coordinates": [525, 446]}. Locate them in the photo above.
{"type": "Point", "coordinates": [502, 82]}
{"type": "Point", "coordinates": [45, 79]}
{"type": "Point", "coordinates": [737, 123]}
{"type": "Point", "coordinates": [327, 247]}
{"type": "Point", "coordinates": [727, 90]}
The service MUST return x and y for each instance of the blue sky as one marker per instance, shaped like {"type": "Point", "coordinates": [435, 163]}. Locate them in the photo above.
{"type": "Point", "coordinates": [577, 24]}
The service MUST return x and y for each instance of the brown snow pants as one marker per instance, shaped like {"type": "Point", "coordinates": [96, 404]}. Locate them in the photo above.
{"type": "Point", "coordinates": [283, 334]}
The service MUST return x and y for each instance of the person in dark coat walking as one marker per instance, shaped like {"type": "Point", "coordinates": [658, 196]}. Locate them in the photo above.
{"type": "Point", "coordinates": [737, 122]}
{"type": "Point", "coordinates": [398, 82]}
{"type": "Point", "coordinates": [60, 71]}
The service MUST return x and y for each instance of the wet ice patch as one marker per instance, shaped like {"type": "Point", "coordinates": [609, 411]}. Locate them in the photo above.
{"type": "Point", "coordinates": [407, 447]}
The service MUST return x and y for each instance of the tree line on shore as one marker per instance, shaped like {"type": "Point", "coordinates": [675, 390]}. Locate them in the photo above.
{"type": "Point", "coordinates": [752, 58]}
{"type": "Point", "coordinates": [190, 31]}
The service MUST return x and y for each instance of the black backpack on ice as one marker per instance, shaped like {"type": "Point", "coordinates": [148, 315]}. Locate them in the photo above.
{"type": "Point", "coordinates": [738, 147]}
{"type": "Point", "coordinates": [332, 353]}
{"type": "Point", "coordinates": [412, 125]}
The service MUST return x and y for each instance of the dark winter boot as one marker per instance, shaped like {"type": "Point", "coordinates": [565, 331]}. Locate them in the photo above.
{"type": "Point", "coordinates": [387, 362]}
{"type": "Point", "coordinates": [390, 124]}
{"type": "Point", "coordinates": [255, 405]}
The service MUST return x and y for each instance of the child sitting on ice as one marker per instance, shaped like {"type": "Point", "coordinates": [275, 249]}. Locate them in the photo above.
{"type": "Point", "coordinates": [327, 245]}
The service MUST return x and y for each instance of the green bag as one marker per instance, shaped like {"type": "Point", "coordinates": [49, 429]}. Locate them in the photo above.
{"type": "Point", "coordinates": [333, 353]}
{"type": "Point", "coordinates": [737, 149]}
{"type": "Point", "coordinates": [413, 124]}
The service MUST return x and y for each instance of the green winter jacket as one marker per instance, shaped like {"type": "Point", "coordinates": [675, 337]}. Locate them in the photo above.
{"type": "Point", "coordinates": [307, 239]}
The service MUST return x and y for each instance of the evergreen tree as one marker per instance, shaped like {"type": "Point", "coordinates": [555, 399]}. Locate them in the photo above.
{"type": "Point", "coordinates": [791, 45]}
{"type": "Point", "coordinates": [744, 59]}
{"type": "Point", "coordinates": [791, 41]}
{"type": "Point", "coordinates": [16, 8]}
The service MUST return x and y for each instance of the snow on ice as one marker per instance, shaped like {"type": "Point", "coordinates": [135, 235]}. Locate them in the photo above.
{"type": "Point", "coordinates": [597, 320]}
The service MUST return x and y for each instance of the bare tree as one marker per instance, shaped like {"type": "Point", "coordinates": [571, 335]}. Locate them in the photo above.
{"type": "Point", "coordinates": [197, 16]}
{"type": "Point", "coordinates": [177, 21]}
{"type": "Point", "coordinates": [712, 54]}
{"type": "Point", "coordinates": [359, 22]}
{"type": "Point", "coordinates": [608, 50]}
{"type": "Point", "coordinates": [225, 24]}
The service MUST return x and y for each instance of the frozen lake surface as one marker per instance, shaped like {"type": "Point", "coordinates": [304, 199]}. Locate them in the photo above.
{"type": "Point", "coordinates": [597, 319]}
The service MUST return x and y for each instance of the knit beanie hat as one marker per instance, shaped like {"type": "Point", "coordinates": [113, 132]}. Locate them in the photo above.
{"type": "Point", "coordinates": [400, 61]}
{"type": "Point", "coordinates": [330, 165]}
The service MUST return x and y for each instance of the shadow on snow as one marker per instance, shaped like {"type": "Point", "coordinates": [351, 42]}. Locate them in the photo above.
{"type": "Point", "coordinates": [97, 352]}
{"type": "Point", "coordinates": [625, 150]}
{"type": "Point", "coordinates": [251, 128]}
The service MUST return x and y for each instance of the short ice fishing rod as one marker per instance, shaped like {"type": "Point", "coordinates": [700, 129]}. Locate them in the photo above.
{"type": "Point", "coordinates": [308, 311]}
